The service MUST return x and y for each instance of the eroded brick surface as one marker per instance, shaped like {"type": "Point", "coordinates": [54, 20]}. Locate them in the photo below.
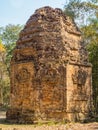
{"type": "Point", "coordinates": [50, 72]}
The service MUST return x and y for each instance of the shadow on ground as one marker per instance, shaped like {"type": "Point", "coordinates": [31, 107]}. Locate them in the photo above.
{"type": "Point", "coordinates": [4, 125]}
{"type": "Point", "coordinates": [3, 119]}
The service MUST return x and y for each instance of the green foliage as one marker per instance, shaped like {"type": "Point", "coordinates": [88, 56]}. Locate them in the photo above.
{"type": "Point", "coordinates": [81, 10]}
{"type": "Point", "coordinates": [2, 70]}
{"type": "Point", "coordinates": [90, 32]}
{"type": "Point", "coordinates": [5, 91]}
{"type": "Point", "coordinates": [9, 35]}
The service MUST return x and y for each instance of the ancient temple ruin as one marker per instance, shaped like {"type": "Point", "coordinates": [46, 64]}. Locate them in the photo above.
{"type": "Point", "coordinates": [50, 71]}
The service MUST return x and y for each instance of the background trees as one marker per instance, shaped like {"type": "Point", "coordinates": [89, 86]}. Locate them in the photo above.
{"type": "Point", "coordinates": [82, 11]}
{"type": "Point", "coordinates": [85, 14]}
{"type": "Point", "coordinates": [3, 71]}
{"type": "Point", "coordinates": [8, 35]}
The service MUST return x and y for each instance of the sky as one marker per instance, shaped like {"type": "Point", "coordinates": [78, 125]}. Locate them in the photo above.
{"type": "Point", "coordinates": [19, 11]}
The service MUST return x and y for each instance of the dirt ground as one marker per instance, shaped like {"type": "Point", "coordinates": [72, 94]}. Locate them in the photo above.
{"type": "Point", "coordinates": [68, 126]}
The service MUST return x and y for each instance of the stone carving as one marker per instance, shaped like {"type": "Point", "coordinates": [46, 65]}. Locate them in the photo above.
{"type": "Point", "coordinates": [24, 54]}
{"type": "Point", "coordinates": [79, 77]}
{"type": "Point", "coordinates": [48, 66]}
{"type": "Point", "coordinates": [23, 75]}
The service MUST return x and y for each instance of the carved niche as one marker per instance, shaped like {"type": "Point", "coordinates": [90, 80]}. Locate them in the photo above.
{"type": "Point", "coordinates": [79, 77]}
{"type": "Point", "coordinates": [23, 75]}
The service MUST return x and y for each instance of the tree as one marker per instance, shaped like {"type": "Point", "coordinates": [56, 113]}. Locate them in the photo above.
{"type": "Point", "coordinates": [9, 35]}
{"type": "Point", "coordinates": [2, 70]}
{"type": "Point", "coordinates": [81, 10]}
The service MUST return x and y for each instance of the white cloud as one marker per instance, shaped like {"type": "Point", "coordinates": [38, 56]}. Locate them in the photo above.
{"type": "Point", "coordinates": [17, 3]}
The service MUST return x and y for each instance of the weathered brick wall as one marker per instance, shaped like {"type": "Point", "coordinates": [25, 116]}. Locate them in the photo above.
{"type": "Point", "coordinates": [48, 66]}
{"type": "Point", "coordinates": [79, 102]}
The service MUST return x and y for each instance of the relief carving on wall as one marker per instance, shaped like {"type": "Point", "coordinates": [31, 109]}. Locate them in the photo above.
{"type": "Point", "coordinates": [79, 77]}
{"type": "Point", "coordinates": [23, 75]}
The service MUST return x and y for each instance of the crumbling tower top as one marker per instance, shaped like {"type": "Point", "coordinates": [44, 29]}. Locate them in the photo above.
{"type": "Point", "coordinates": [51, 28]}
